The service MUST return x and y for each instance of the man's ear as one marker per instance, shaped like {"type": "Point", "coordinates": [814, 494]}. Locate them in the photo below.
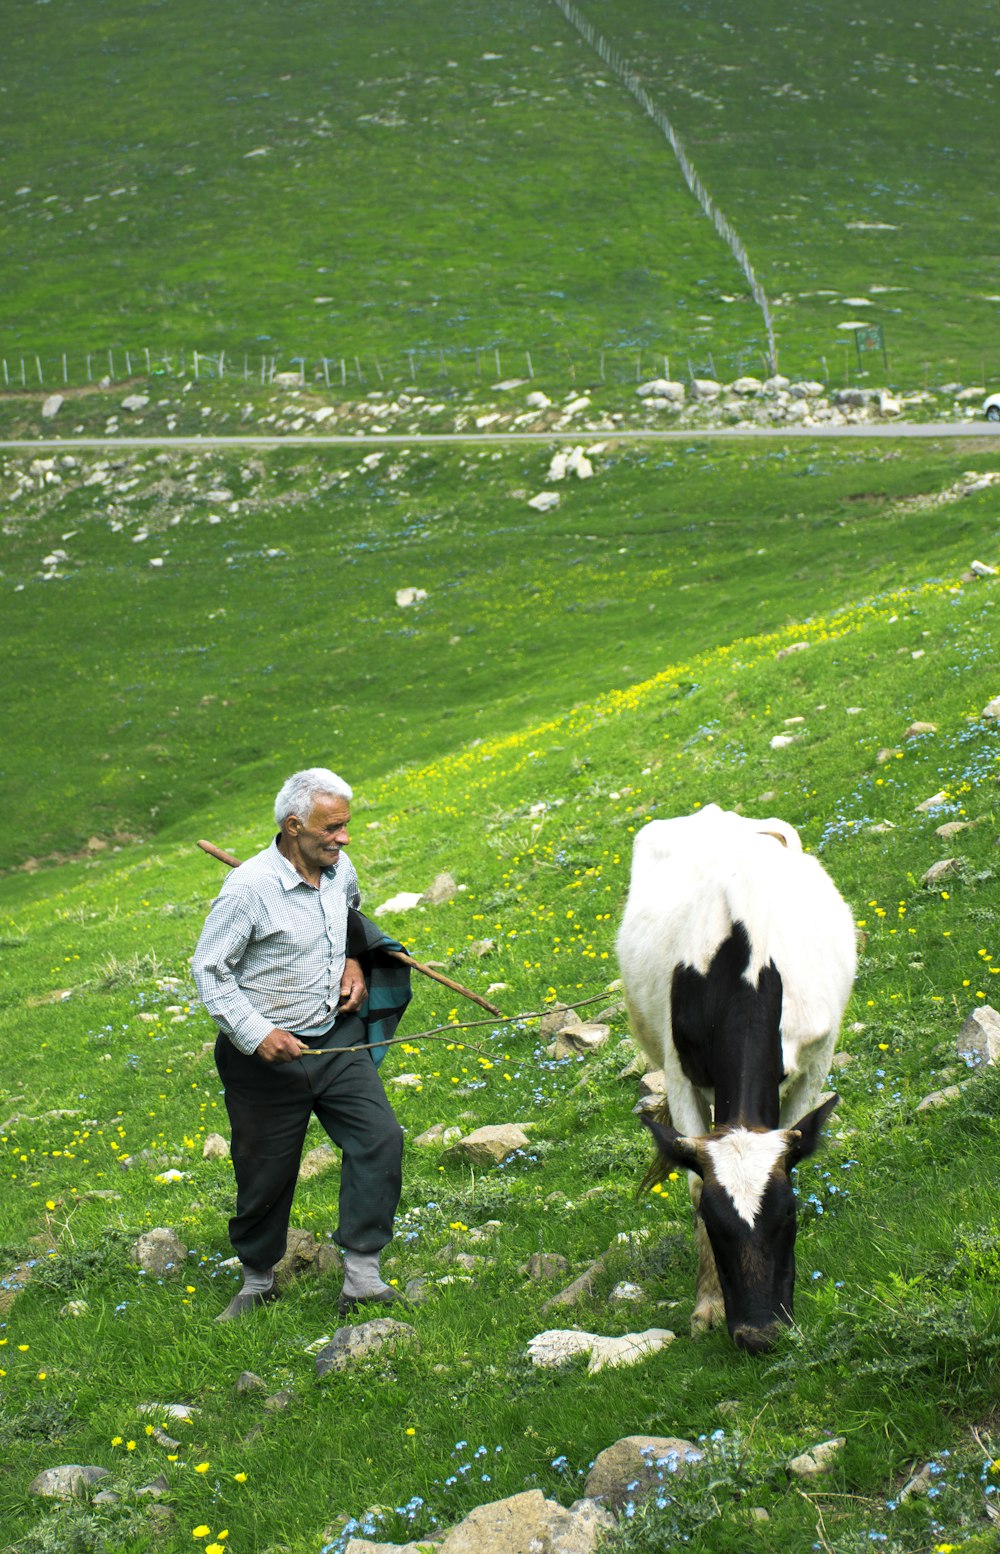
{"type": "Point", "coordinates": [803, 1139]}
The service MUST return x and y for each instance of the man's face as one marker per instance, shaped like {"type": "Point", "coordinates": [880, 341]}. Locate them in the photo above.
{"type": "Point", "coordinates": [320, 838]}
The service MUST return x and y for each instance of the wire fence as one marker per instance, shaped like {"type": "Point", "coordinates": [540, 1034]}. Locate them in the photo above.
{"type": "Point", "coordinates": [454, 367]}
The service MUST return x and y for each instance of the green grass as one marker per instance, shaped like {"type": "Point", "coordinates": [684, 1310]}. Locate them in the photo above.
{"type": "Point", "coordinates": [564, 690]}
{"type": "Point", "coordinates": [852, 156]}
{"type": "Point", "coordinates": [388, 179]}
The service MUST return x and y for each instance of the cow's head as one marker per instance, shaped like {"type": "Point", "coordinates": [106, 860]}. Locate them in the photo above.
{"type": "Point", "coordinates": [748, 1211]}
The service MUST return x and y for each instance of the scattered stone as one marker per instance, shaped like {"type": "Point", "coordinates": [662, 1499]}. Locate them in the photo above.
{"type": "Point", "coordinates": [953, 828]}
{"type": "Point", "coordinates": [843, 1059]}
{"type": "Point", "coordinates": [352, 1344]}
{"type": "Point", "coordinates": [407, 596]}
{"type": "Point", "coordinates": [179, 1411]}
{"type": "Point", "coordinates": [135, 402]}
{"type": "Point", "coordinates": [279, 1401]}
{"type": "Point", "coordinates": [558, 1018]}
{"type": "Point", "coordinates": [317, 1162]}
{"type": "Point", "coordinates": [887, 753]}
{"type": "Point", "coordinates": [574, 1040]}
{"type": "Point", "coordinates": [934, 802]}
{"type": "Point", "coordinates": [52, 406]}
{"type": "Point", "coordinates": [557, 1346]}
{"type": "Point", "coordinates": [919, 1484]}
{"type": "Point", "coordinates": [163, 1439]}
{"type": "Point", "coordinates": [66, 1482]}
{"type": "Point", "coordinates": [402, 901]}
{"type": "Point", "coordinates": [627, 1292]}
{"type": "Point", "coordinates": [300, 1254]}
{"type": "Point", "coordinates": [662, 388]}
{"type": "Point", "coordinates": [440, 1133]}
{"type": "Point", "coordinates": [636, 1464]}
{"type": "Point", "coordinates": [782, 741]}
{"type": "Point", "coordinates": [979, 1038]}
{"type": "Point", "coordinates": [159, 1252]}
{"type": "Point", "coordinates": [407, 1081]}
{"type": "Point", "coordinates": [940, 1098]}
{"type": "Point", "coordinates": [526, 1523]}
{"type": "Point", "coordinates": [580, 1288]}
{"type": "Point", "coordinates": [545, 501]}
{"type": "Point", "coordinates": [705, 388]}
{"type": "Point", "coordinates": [654, 1082]}
{"type": "Point", "coordinates": [945, 868]}
{"type": "Point", "coordinates": [480, 948]}
{"type": "Point", "coordinates": [536, 400]}
{"type": "Point", "coordinates": [920, 728]}
{"type": "Point", "coordinates": [981, 569]}
{"type": "Point", "coordinates": [248, 1381]}
{"type": "Point", "coordinates": [156, 1490]}
{"type": "Point", "coordinates": [215, 1147]}
{"type": "Point", "coordinates": [74, 1308]}
{"type": "Point", "coordinates": [819, 1459]}
{"type": "Point", "coordinates": [487, 1146]}
{"type": "Point", "coordinates": [441, 889]}
{"type": "Point", "coordinates": [545, 1265]}
{"type": "Point", "coordinates": [992, 708]}
{"type": "Point", "coordinates": [793, 647]}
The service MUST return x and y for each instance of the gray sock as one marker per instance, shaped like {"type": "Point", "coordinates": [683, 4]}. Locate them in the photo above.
{"type": "Point", "coordinates": [257, 1281]}
{"type": "Point", "coordinates": [361, 1275]}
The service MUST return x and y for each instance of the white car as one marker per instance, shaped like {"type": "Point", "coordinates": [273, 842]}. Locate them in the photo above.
{"type": "Point", "coordinates": [991, 407]}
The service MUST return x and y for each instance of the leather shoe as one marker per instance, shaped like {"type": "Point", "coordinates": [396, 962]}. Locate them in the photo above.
{"type": "Point", "coordinates": [348, 1304]}
{"type": "Point", "coordinates": [246, 1300]}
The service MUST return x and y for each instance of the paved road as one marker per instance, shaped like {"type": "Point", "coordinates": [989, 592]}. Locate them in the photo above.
{"type": "Point", "coordinates": [881, 432]}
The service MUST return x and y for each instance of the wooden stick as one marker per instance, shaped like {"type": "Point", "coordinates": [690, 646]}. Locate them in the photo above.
{"type": "Point", "coordinates": [436, 976]}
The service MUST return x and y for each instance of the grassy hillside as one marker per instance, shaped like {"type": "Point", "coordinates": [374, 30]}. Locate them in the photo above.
{"type": "Point", "coordinates": [850, 151]}
{"type": "Point", "coordinates": [391, 178]}
{"type": "Point", "coordinates": [615, 661]}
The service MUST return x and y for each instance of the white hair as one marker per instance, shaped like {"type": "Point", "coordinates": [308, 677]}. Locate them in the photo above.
{"type": "Point", "coordinates": [300, 792]}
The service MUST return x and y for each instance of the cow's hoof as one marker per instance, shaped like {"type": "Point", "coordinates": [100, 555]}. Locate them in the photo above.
{"type": "Point", "coordinates": [706, 1316]}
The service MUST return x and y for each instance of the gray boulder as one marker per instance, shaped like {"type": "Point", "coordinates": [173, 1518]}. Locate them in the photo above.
{"type": "Point", "coordinates": [636, 1464]}
{"type": "Point", "coordinates": [159, 1252]}
{"type": "Point", "coordinates": [487, 1146]}
{"type": "Point", "coordinates": [979, 1038]}
{"type": "Point", "coordinates": [350, 1345]}
{"type": "Point", "coordinates": [64, 1483]}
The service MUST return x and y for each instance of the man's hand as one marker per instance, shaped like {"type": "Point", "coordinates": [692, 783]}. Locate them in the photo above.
{"type": "Point", "coordinates": [352, 988]}
{"type": "Point", "coordinates": [281, 1047]}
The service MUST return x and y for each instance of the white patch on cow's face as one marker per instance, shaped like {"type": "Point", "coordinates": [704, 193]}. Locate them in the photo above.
{"type": "Point", "coordinates": [742, 1163]}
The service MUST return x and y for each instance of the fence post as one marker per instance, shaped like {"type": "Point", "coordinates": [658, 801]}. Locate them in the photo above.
{"type": "Point", "coordinates": [222, 364]}
{"type": "Point", "coordinates": [6, 379]}
{"type": "Point", "coordinates": [111, 367]}
{"type": "Point", "coordinates": [326, 372]}
{"type": "Point", "coordinates": [148, 364]}
{"type": "Point", "coordinates": [128, 365]}
{"type": "Point", "coordinates": [343, 373]}
{"type": "Point", "coordinates": [246, 366]}
{"type": "Point", "coordinates": [497, 355]}
{"type": "Point", "coordinates": [361, 376]}
{"type": "Point", "coordinates": [196, 374]}
{"type": "Point", "coordinates": [413, 373]}
{"type": "Point", "coordinates": [65, 374]}
{"type": "Point", "coordinates": [479, 371]}
{"type": "Point", "coordinates": [531, 370]}
{"type": "Point", "coordinates": [38, 366]}
{"type": "Point", "coordinates": [24, 381]}
{"type": "Point", "coordinates": [378, 369]}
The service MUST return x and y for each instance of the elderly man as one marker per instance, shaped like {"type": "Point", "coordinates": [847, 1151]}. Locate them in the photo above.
{"type": "Point", "coordinates": [273, 971]}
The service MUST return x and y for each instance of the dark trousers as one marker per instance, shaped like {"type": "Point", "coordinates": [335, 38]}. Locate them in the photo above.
{"type": "Point", "coordinates": [269, 1107]}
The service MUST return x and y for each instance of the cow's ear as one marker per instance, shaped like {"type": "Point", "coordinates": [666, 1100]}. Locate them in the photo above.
{"type": "Point", "coordinates": [803, 1139]}
{"type": "Point", "coordinates": [676, 1146]}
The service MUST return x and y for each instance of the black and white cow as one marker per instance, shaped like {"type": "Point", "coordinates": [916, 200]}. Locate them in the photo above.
{"type": "Point", "coordinates": [738, 956]}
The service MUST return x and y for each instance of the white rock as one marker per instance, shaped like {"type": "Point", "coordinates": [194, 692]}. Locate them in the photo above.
{"type": "Point", "coordinates": [580, 403]}
{"type": "Point", "coordinates": [982, 570]}
{"type": "Point", "coordinates": [933, 802]}
{"type": "Point", "coordinates": [705, 388]}
{"type": "Point", "coordinates": [557, 1346]}
{"type": "Point", "coordinates": [579, 464]}
{"type": "Point", "coordinates": [135, 402]}
{"type": "Point", "coordinates": [407, 596]}
{"type": "Point", "coordinates": [545, 501]}
{"type": "Point", "coordinates": [557, 468]}
{"type": "Point", "coordinates": [782, 741]}
{"type": "Point", "coordinates": [818, 1459]}
{"type": "Point", "coordinates": [52, 406]}
{"type": "Point", "coordinates": [537, 400]}
{"type": "Point", "coordinates": [662, 388]}
{"type": "Point", "coordinates": [402, 901]}
{"type": "Point", "coordinates": [992, 709]}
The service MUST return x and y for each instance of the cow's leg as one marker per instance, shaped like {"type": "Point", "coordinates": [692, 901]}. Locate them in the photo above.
{"type": "Point", "coordinates": [709, 1306]}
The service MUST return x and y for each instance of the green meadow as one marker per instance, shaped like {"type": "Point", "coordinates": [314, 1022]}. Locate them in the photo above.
{"type": "Point", "coordinates": [408, 184]}
{"type": "Point", "coordinates": [466, 204]}
{"type": "Point", "coordinates": [568, 676]}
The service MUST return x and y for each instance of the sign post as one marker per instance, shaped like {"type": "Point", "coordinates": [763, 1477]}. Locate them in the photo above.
{"type": "Point", "coordinates": [870, 337]}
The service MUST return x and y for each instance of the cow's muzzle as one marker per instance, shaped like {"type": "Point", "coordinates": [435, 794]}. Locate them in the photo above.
{"type": "Point", "coordinates": [756, 1340]}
